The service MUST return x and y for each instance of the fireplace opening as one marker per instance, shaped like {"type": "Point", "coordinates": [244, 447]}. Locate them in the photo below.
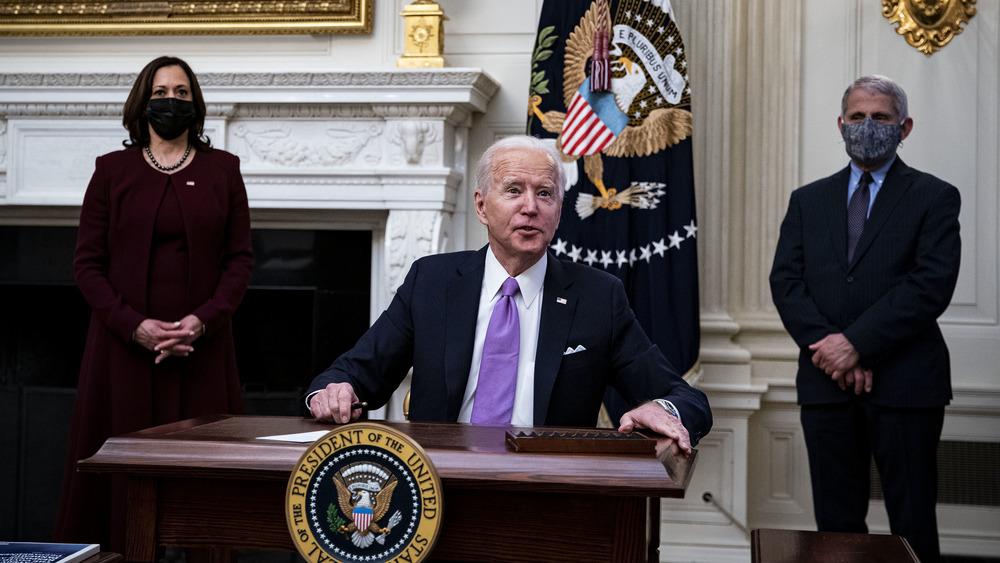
{"type": "Point", "coordinates": [308, 301]}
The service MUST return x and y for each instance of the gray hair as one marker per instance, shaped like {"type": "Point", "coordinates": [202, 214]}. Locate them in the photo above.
{"type": "Point", "coordinates": [484, 172]}
{"type": "Point", "coordinates": [878, 84]}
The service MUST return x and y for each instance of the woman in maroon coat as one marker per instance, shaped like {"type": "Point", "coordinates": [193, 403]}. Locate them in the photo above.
{"type": "Point", "coordinates": [163, 257]}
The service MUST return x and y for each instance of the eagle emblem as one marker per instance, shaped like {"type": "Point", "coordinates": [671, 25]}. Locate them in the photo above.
{"type": "Point", "coordinates": [364, 493]}
{"type": "Point", "coordinates": [346, 485]}
{"type": "Point", "coordinates": [636, 118]}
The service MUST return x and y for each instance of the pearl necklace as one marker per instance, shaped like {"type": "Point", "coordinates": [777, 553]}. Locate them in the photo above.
{"type": "Point", "coordinates": [168, 168]}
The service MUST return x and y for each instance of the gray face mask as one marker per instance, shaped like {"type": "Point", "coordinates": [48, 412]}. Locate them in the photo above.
{"type": "Point", "coordinates": [869, 143]}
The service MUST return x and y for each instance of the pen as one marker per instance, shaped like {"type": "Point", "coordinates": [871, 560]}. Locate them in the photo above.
{"type": "Point", "coordinates": [361, 405]}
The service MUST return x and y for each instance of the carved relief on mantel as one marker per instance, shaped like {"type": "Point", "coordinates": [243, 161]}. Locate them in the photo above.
{"type": "Point", "coordinates": [473, 79]}
{"type": "Point", "coordinates": [310, 145]}
{"type": "Point", "coordinates": [410, 235]}
{"type": "Point", "coordinates": [414, 139]}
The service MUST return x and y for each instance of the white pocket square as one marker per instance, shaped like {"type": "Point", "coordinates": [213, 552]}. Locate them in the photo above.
{"type": "Point", "coordinates": [572, 350]}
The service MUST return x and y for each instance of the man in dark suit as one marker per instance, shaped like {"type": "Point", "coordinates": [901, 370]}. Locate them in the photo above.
{"type": "Point", "coordinates": [859, 282]}
{"type": "Point", "coordinates": [575, 334]}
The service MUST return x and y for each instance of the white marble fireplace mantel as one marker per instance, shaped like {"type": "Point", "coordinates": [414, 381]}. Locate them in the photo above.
{"type": "Point", "coordinates": [384, 151]}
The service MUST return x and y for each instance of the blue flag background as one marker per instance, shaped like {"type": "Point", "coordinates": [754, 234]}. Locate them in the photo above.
{"type": "Point", "coordinates": [630, 208]}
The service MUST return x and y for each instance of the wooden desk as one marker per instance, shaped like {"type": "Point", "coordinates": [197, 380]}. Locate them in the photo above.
{"type": "Point", "coordinates": [209, 483]}
{"type": "Point", "coordinates": [795, 546]}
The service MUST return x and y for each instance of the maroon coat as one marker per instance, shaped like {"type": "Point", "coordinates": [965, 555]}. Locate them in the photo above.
{"type": "Point", "coordinates": [120, 390]}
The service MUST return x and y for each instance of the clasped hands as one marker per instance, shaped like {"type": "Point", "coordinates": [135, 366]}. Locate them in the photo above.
{"type": "Point", "coordinates": [169, 339]}
{"type": "Point", "coordinates": [836, 356]}
{"type": "Point", "coordinates": [334, 404]}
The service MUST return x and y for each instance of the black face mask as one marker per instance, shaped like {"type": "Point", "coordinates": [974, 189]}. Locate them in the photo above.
{"type": "Point", "coordinates": [170, 117]}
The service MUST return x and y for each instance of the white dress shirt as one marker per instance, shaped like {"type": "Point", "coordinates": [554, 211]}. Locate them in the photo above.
{"type": "Point", "coordinates": [529, 314]}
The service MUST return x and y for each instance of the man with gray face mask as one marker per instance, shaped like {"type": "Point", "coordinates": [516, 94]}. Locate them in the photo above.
{"type": "Point", "coordinates": [867, 259]}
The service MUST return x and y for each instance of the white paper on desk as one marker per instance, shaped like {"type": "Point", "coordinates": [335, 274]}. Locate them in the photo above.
{"type": "Point", "coordinates": [300, 437]}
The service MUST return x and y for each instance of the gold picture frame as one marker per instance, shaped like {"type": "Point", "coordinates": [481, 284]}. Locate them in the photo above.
{"type": "Point", "coordinates": [185, 17]}
{"type": "Point", "coordinates": [928, 25]}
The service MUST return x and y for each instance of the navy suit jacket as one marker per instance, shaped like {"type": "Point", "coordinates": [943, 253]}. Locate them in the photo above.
{"type": "Point", "coordinates": [888, 300]}
{"type": "Point", "coordinates": [431, 325]}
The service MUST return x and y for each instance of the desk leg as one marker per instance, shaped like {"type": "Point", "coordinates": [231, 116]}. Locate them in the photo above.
{"type": "Point", "coordinates": [140, 533]}
{"type": "Point", "coordinates": [653, 530]}
{"type": "Point", "coordinates": [221, 555]}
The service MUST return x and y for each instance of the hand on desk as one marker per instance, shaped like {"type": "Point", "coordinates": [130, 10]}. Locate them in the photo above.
{"type": "Point", "coordinates": [333, 404]}
{"type": "Point", "coordinates": [651, 416]}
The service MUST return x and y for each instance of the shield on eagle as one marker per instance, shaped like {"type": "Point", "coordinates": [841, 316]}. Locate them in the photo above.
{"type": "Point", "coordinates": [362, 517]}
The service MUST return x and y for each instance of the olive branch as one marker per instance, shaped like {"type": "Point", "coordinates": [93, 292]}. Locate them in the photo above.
{"type": "Point", "coordinates": [333, 518]}
{"type": "Point", "coordinates": [539, 84]}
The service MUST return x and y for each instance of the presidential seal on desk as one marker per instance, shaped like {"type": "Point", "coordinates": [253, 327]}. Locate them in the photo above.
{"type": "Point", "coordinates": [364, 492]}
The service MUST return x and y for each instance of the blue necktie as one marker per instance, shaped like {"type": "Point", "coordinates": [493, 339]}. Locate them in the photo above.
{"type": "Point", "coordinates": [494, 401]}
{"type": "Point", "coordinates": [857, 214]}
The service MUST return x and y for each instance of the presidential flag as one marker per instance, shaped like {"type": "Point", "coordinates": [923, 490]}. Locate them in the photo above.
{"type": "Point", "coordinates": [629, 207]}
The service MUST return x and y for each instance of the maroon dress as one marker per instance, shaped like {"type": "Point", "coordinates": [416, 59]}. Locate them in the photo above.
{"type": "Point", "coordinates": [151, 245]}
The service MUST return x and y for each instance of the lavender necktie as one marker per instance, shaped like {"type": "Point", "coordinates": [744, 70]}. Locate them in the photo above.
{"type": "Point", "coordinates": [857, 214]}
{"type": "Point", "coordinates": [498, 371]}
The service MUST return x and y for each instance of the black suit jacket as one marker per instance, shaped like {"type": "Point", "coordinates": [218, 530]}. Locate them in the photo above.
{"type": "Point", "coordinates": [431, 325]}
{"type": "Point", "coordinates": [888, 300]}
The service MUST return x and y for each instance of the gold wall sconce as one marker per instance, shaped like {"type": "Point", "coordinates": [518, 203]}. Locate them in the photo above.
{"type": "Point", "coordinates": [928, 25]}
{"type": "Point", "coordinates": [423, 35]}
